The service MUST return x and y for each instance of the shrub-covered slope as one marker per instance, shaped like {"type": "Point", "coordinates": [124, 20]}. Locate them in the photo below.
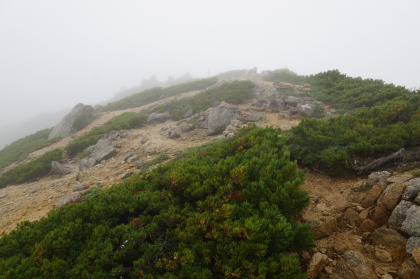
{"type": "Point", "coordinates": [154, 94]}
{"type": "Point", "coordinates": [224, 210]}
{"type": "Point", "coordinates": [21, 148]}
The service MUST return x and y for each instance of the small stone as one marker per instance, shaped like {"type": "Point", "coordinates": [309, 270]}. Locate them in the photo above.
{"type": "Point", "coordinates": [127, 175]}
{"type": "Point", "coordinates": [367, 226]}
{"type": "Point", "coordinates": [173, 134]}
{"type": "Point", "coordinates": [323, 227]}
{"type": "Point", "coordinates": [81, 187]}
{"type": "Point", "coordinates": [382, 255]}
{"type": "Point", "coordinates": [3, 196]}
{"type": "Point", "coordinates": [387, 276]}
{"type": "Point", "coordinates": [143, 140]}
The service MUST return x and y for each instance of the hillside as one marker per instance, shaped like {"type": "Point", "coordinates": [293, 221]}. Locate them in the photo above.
{"type": "Point", "coordinates": [180, 119]}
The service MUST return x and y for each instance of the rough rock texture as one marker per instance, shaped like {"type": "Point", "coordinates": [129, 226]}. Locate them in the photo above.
{"type": "Point", "coordinates": [318, 262]}
{"type": "Point", "coordinates": [188, 113]}
{"type": "Point", "coordinates": [411, 224]}
{"type": "Point", "coordinates": [75, 197]}
{"type": "Point", "coordinates": [173, 134]}
{"type": "Point", "coordinates": [378, 176]}
{"type": "Point", "coordinates": [380, 214]}
{"type": "Point", "coordinates": [323, 227]}
{"type": "Point", "coordinates": [412, 243]}
{"type": "Point", "coordinates": [409, 270]}
{"type": "Point", "coordinates": [373, 194]}
{"type": "Point", "coordinates": [292, 101]}
{"type": "Point", "coordinates": [360, 266]}
{"type": "Point", "coordinates": [382, 255]}
{"type": "Point", "coordinates": [81, 187]}
{"type": "Point", "coordinates": [59, 169]}
{"type": "Point", "coordinates": [400, 178]}
{"type": "Point", "coordinates": [388, 237]}
{"type": "Point", "coordinates": [306, 109]}
{"type": "Point", "coordinates": [103, 150]}
{"type": "Point", "coordinates": [158, 117]}
{"type": "Point", "coordinates": [186, 127]}
{"type": "Point", "coordinates": [255, 116]}
{"type": "Point", "coordinates": [367, 226]}
{"type": "Point", "coordinates": [65, 127]}
{"type": "Point", "coordinates": [270, 99]}
{"type": "Point", "coordinates": [412, 191]}
{"type": "Point", "coordinates": [219, 118]}
{"type": "Point", "coordinates": [391, 195]}
{"type": "Point", "coordinates": [398, 215]}
{"type": "Point", "coordinates": [416, 255]}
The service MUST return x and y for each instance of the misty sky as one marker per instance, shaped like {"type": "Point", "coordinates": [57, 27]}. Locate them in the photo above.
{"type": "Point", "coordinates": [55, 54]}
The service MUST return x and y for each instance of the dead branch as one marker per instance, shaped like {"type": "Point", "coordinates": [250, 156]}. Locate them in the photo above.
{"type": "Point", "coordinates": [381, 161]}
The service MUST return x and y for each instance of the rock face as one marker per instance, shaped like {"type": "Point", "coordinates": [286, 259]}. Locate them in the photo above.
{"type": "Point", "coordinates": [158, 117]}
{"type": "Point", "coordinates": [59, 169]}
{"type": "Point", "coordinates": [219, 118]}
{"type": "Point", "coordinates": [65, 127]}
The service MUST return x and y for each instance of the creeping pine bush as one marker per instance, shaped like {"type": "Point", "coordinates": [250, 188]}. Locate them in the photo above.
{"type": "Point", "coordinates": [224, 210]}
{"type": "Point", "coordinates": [29, 171]}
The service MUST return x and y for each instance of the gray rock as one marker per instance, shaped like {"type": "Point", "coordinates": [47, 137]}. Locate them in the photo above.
{"type": "Point", "coordinates": [236, 123]}
{"type": "Point", "coordinates": [81, 187]}
{"type": "Point", "coordinates": [188, 113]}
{"type": "Point", "coordinates": [139, 164]}
{"type": "Point", "coordinates": [306, 109]}
{"type": "Point", "coordinates": [149, 151]}
{"type": "Point", "coordinates": [3, 196]}
{"type": "Point", "coordinates": [173, 134]}
{"type": "Point", "coordinates": [126, 155]}
{"type": "Point", "coordinates": [71, 198]}
{"type": "Point", "coordinates": [412, 191]}
{"type": "Point", "coordinates": [59, 169]}
{"type": "Point", "coordinates": [412, 243]}
{"type": "Point", "coordinates": [158, 117]}
{"type": "Point", "coordinates": [143, 140]}
{"type": "Point", "coordinates": [256, 116]}
{"type": "Point", "coordinates": [86, 163]}
{"type": "Point", "coordinates": [417, 200]}
{"type": "Point", "coordinates": [361, 267]}
{"type": "Point", "coordinates": [398, 215]}
{"type": "Point", "coordinates": [65, 127]}
{"type": "Point", "coordinates": [186, 127]}
{"type": "Point", "coordinates": [292, 101]}
{"type": "Point", "coordinates": [127, 175]}
{"type": "Point", "coordinates": [132, 158]}
{"type": "Point", "coordinates": [378, 176]}
{"type": "Point", "coordinates": [219, 118]}
{"type": "Point", "coordinates": [411, 224]}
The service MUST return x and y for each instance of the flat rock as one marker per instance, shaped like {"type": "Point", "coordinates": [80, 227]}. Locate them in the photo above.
{"type": "Point", "coordinates": [81, 187]}
{"type": "Point", "coordinates": [400, 178]}
{"type": "Point", "coordinates": [71, 198]}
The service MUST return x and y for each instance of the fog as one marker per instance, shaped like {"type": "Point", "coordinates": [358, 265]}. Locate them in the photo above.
{"type": "Point", "coordinates": [55, 54]}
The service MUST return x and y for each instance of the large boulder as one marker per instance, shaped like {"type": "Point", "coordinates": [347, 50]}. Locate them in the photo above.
{"type": "Point", "coordinates": [59, 169]}
{"type": "Point", "coordinates": [391, 195]}
{"type": "Point", "coordinates": [412, 191]}
{"type": "Point", "coordinates": [411, 224]}
{"type": "Point", "coordinates": [158, 117]}
{"type": "Point", "coordinates": [292, 101]}
{"type": "Point", "coordinates": [219, 118]}
{"type": "Point", "coordinates": [103, 150]}
{"type": "Point", "coordinates": [66, 126]}
{"type": "Point", "coordinates": [398, 215]}
{"type": "Point", "coordinates": [71, 198]}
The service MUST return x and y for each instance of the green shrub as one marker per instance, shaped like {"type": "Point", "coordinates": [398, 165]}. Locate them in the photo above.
{"type": "Point", "coordinates": [235, 92]}
{"type": "Point", "coordinates": [21, 148]}
{"type": "Point", "coordinates": [159, 159]}
{"type": "Point", "coordinates": [124, 121]}
{"type": "Point", "coordinates": [225, 210]}
{"type": "Point", "coordinates": [285, 75]}
{"type": "Point", "coordinates": [155, 94]}
{"type": "Point", "coordinates": [29, 171]}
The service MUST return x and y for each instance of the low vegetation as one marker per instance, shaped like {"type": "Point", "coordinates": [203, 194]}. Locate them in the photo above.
{"type": "Point", "coordinates": [20, 149]}
{"type": "Point", "coordinates": [31, 170]}
{"type": "Point", "coordinates": [124, 121]}
{"type": "Point", "coordinates": [384, 119]}
{"type": "Point", "coordinates": [226, 210]}
{"type": "Point", "coordinates": [155, 94]}
{"type": "Point", "coordinates": [235, 92]}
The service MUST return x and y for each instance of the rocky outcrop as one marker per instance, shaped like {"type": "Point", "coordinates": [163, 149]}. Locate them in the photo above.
{"type": "Point", "coordinates": [158, 117]}
{"type": "Point", "coordinates": [360, 266]}
{"type": "Point", "coordinates": [59, 169]}
{"type": "Point", "coordinates": [103, 150]}
{"type": "Point", "coordinates": [65, 127]}
{"type": "Point", "coordinates": [317, 264]}
{"type": "Point", "coordinates": [219, 118]}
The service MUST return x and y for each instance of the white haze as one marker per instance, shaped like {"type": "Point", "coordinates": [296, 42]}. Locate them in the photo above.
{"type": "Point", "coordinates": [57, 53]}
